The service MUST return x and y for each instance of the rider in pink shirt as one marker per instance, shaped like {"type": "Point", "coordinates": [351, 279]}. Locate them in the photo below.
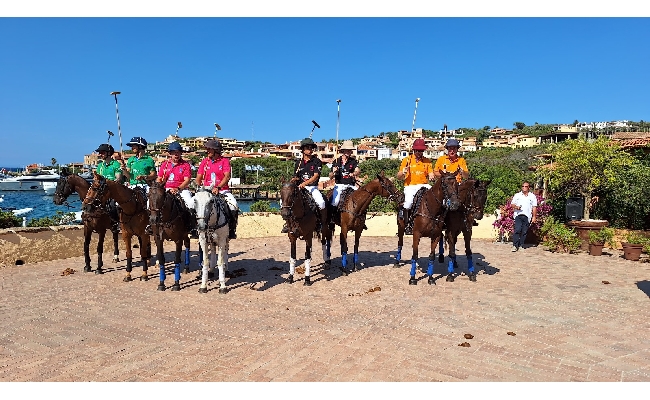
{"type": "Point", "coordinates": [177, 173]}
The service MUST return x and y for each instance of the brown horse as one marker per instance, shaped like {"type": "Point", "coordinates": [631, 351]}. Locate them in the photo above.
{"type": "Point", "coordinates": [473, 195]}
{"type": "Point", "coordinates": [97, 221]}
{"type": "Point", "coordinates": [428, 220]}
{"type": "Point", "coordinates": [134, 217]}
{"type": "Point", "coordinates": [351, 216]}
{"type": "Point", "coordinates": [301, 222]}
{"type": "Point", "coordinates": [170, 220]}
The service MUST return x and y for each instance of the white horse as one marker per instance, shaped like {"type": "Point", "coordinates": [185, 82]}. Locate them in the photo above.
{"type": "Point", "coordinates": [211, 216]}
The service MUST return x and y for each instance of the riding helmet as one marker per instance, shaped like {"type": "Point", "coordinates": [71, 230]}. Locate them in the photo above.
{"type": "Point", "coordinates": [419, 144]}
{"type": "Point", "coordinates": [307, 142]}
{"type": "Point", "coordinates": [213, 144]}
{"type": "Point", "coordinates": [137, 141]}
{"type": "Point", "coordinates": [174, 146]}
{"type": "Point", "coordinates": [107, 148]}
{"type": "Point", "coordinates": [452, 143]}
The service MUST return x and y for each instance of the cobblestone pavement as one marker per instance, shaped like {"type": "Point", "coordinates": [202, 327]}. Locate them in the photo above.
{"type": "Point", "coordinates": [568, 325]}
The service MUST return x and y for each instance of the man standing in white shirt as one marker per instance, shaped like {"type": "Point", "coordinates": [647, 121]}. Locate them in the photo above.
{"type": "Point", "coordinates": [525, 205]}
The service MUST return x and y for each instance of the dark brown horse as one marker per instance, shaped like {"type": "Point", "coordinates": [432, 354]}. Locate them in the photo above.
{"type": "Point", "coordinates": [301, 222]}
{"type": "Point", "coordinates": [134, 217]}
{"type": "Point", "coordinates": [170, 220]}
{"type": "Point", "coordinates": [473, 195]}
{"type": "Point", "coordinates": [98, 220]}
{"type": "Point", "coordinates": [351, 216]}
{"type": "Point", "coordinates": [428, 220]}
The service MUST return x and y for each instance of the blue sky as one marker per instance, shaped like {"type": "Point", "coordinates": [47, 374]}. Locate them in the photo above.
{"type": "Point", "coordinates": [268, 78]}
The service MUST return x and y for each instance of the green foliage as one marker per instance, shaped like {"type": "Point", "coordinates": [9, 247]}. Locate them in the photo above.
{"type": "Point", "coordinates": [60, 218]}
{"type": "Point", "coordinates": [263, 206]}
{"type": "Point", "coordinates": [636, 238]}
{"type": "Point", "coordinates": [369, 171]}
{"type": "Point", "coordinates": [275, 171]}
{"type": "Point", "coordinates": [604, 236]}
{"type": "Point", "coordinates": [9, 220]}
{"type": "Point", "coordinates": [558, 237]}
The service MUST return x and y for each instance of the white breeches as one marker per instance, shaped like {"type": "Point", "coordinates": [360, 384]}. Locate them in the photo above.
{"type": "Point", "coordinates": [409, 193]}
{"type": "Point", "coordinates": [186, 195]}
{"type": "Point", "coordinates": [338, 189]}
{"type": "Point", "coordinates": [317, 196]}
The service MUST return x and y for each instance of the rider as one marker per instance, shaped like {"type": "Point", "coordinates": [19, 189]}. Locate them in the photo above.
{"type": "Point", "coordinates": [345, 171]}
{"type": "Point", "coordinates": [110, 169]}
{"type": "Point", "coordinates": [214, 170]}
{"type": "Point", "coordinates": [416, 170]}
{"type": "Point", "coordinates": [307, 170]}
{"type": "Point", "coordinates": [176, 173]}
{"type": "Point", "coordinates": [451, 162]}
{"type": "Point", "coordinates": [139, 166]}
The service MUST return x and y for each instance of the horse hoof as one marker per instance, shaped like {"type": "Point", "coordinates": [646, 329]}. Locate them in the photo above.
{"type": "Point", "coordinates": [127, 278]}
{"type": "Point", "coordinates": [396, 265]}
{"type": "Point", "coordinates": [472, 277]}
{"type": "Point", "coordinates": [161, 287]}
{"type": "Point", "coordinates": [88, 269]}
{"type": "Point", "coordinates": [99, 271]}
{"type": "Point", "coordinates": [223, 290]}
{"type": "Point", "coordinates": [450, 278]}
{"type": "Point", "coordinates": [144, 278]}
{"type": "Point", "coordinates": [328, 264]}
{"type": "Point", "coordinates": [186, 270]}
{"type": "Point", "coordinates": [203, 290]}
{"type": "Point", "coordinates": [413, 281]}
{"type": "Point", "coordinates": [116, 259]}
{"type": "Point", "coordinates": [344, 271]}
{"type": "Point", "coordinates": [289, 279]}
{"type": "Point", "coordinates": [176, 287]}
{"type": "Point", "coordinates": [431, 281]}
{"type": "Point", "coordinates": [355, 268]}
{"type": "Point", "coordinates": [308, 282]}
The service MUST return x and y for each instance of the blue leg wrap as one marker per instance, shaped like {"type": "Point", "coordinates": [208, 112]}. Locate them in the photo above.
{"type": "Point", "coordinates": [356, 258]}
{"type": "Point", "coordinates": [453, 259]}
{"type": "Point", "coordinates": [177, 272]}
{"type": "Point", "coordinates": [187, 256]}
{"type": "Point", "coordinates": [344, 260]}
{"type": "Point", "coordinates": [398, 256]}
{"type": "Point", "coordinates": [470, 264]}
{"type": "Point", "coordinates": [413, 267]}
{"type": "Point", "coordinates": [441, 245]}
{"type": "Point", "coordinates": [450, 266]}
{"type": "Point", "coordinates": [162, 273]}
{"type": "Point", "coordinates": [430, 267]}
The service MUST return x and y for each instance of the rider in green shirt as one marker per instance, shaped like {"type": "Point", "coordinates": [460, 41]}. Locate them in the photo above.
{"type": "Point", "coordinates": [139, 166]}
{"type": "Point", "coordinates": [107, 166]}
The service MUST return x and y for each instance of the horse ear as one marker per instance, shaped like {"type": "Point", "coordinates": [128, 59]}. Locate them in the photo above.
{"type": "Point", "coordinates": [150, 179]}
{"type": "Point", "coordinates": [96, 175]}
{"type": "Point", "coordinates": [64, 171]}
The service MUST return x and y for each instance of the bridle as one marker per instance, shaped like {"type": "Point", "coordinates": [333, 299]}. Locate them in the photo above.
{"type": "Point", "coordinates": [156, 212]}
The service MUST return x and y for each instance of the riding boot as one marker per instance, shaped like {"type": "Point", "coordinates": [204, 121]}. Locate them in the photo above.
{"type": "Point", "coordinates": [232, 224]}
{"type": "Point", "coordinates": [408, 225]}
{"type": "Point", "coordinates": [323, 220]}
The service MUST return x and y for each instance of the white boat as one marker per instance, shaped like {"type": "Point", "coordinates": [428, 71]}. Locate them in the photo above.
{"type": "Point", "coordinates": [50, 188]}
{"type": "Point", "coordinates": [21, 211]}
{"type": "Point", "coordinates": [30, 182]}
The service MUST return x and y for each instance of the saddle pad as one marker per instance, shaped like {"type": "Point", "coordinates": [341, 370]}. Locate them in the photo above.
{"type": "Point", "coordinates": [344, 195]}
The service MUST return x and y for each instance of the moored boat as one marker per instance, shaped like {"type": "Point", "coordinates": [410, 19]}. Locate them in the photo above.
{"type": "Point", "coordinates": [30, 182]}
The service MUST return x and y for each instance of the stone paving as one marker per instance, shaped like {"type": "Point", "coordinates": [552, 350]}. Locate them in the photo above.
{"type": "Point", "coordinates": [568, 325]}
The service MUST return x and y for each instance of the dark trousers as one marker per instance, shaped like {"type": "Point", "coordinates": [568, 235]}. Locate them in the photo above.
{"type": "Point", "coordinates": [521, 229]}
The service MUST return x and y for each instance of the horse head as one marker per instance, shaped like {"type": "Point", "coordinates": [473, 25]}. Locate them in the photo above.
{"type": "Point", "coordinates": [97, 195]}
{"type": "Point", "coordinates": [479, 198]}
{"type": "Point", "coordinates": [392, 194]}
{"type": "Point", "coordinates": [202, 198]}
{"type": "Point", "coordinates": [156, 196]}
{"type": "Point", "coordinates": [63, 188]}
{"type": "Point", "coordinates": [449, 186]}
{"type": "Point", "coordinates": [290, 200]}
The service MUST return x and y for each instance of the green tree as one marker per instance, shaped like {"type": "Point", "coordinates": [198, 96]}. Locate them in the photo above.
{"type": "Point", "coordinates": [54, 162]}
{"type": "Point", "coordinates": [519, 125]}
{"type": "Point", "coordinates": [584, 168]}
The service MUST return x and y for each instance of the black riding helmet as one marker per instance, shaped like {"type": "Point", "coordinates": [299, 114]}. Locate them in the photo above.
{"type": "Point", "coordinates": [107, 148]}
{"type": "Point", "coordinates": [137, 141]}
{"type": "Point", "coordinates": [213, 144]}
{"type": "Point", "coordinates": [307, 142]}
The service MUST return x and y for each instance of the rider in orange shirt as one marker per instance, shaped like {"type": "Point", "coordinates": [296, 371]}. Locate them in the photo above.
{"type": "Point", "coordinates": [451, 162]}
{"type": "Point", "coordinates": [416, 170]}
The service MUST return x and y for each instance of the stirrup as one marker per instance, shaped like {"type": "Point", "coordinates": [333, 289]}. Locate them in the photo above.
{"type": "Point", "coordinates": [285, 229]}
{"type": "Point", "coordinates": [148, 230]}
{"type": "Point", "coordinates": [408, 230]}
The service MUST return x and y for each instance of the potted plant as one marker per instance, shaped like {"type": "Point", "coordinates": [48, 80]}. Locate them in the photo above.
{"type": "Point", "coordinates": [633, 245]}
{"type": "Point", "coordinates": [598, 239]}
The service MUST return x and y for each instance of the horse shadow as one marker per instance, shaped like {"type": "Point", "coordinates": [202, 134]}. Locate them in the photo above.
{"type": "Point", "coordinates": [440, 268]}
{"type": "Point", "coordinates": [644, 286]}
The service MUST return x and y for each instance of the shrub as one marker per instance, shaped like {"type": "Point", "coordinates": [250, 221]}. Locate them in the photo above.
{"type": "Point", "coordinates": [604, 236]}
{"type": "Point", "coordinates": [558, 237]}
{"type": "Point", "coordinates": [60, 218]}
{"type": "Point", "coordinates": [506, 224]}
{"type": "Point", "coordinates": [9, 220]}
{"type": "Point", "coordinates": [262, 206]}
{"type": "Point", "coordinates": [636, 238]}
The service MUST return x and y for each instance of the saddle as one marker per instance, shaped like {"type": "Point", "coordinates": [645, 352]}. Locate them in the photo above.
{"type": "Point", "coordinates": [311, 203]}
{"type": "Point", "coordinates": [417, 199]}
{"type": "Point", "coordinates": [187, 214]}
{"type": "Point", "coordinates": [344, 195]}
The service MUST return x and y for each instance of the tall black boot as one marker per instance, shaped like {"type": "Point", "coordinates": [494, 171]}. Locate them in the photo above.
{"type": "Point", "coordinates": [232, 224]}
{"type": "Point", "coordinates": [408, 225]}
{"type": "Point", "coordinates": [323, 221]}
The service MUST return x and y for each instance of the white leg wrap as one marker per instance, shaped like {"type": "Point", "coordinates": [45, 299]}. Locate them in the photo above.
{"type": "Point", "coordinates": [204, 276]}
{"type": "Point", "coordinates": [307, 266]}
{"type": "Point", "coordinates": [292, 266]}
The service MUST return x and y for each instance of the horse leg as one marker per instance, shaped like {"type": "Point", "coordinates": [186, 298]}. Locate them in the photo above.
{"type": "Point", "coordinates": [432, 257]}
{"type": "Point", "coordinates": [87, 234]}
{"type": "Point", "coordinates": [400, 242]}
{"type": "Point", "coordinates": [344, 249]}
{"type": "Point", "coordinates": [186, 242]}
{"type": "Point", "coordinates": [177, 266]}
{"type": "Point", "coordinates": [205, 263]}
{"type": "Point", "coordinates": [468, 252]}
{"type": "Point", "coordinates": [126, 237]}
{"type": "Point", "coordinates": [414, 257]}
{"type": "Point", "coordinates": [308, 241]}
{"type": "Point", "coordinates": [221, 262]}
{"type": "Point", "coordinates": [441, 255]}
{"type": "Point", "coordinates": [100, 252]}
{"type": "Point", "coordinates": [145, 255]}
{"type": "Point", "coordinates": [355, 258]}
{"type": "Point", "coordinates": [292, 260]}
{"type": "Point", "coordinates": [326, 243]}
{"type": "Point", "coordinates": [451, 237]}
{"type": "Point", "coordinates": [116, 247]}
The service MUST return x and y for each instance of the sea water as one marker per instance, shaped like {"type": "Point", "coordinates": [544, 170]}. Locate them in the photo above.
{"type": "Point", "coordinates": [43, 206]}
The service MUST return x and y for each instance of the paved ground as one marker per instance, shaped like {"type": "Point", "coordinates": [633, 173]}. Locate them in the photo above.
{"type": "Point", "coordinates": [568, 324]}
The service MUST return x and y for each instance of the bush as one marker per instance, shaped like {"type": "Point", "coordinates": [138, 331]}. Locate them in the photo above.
{"type": "Point", "coordinates": [60, 218]}
{"type": "Point", "coordinates": [604, 236]}
{"type": "Point", "coordinates": [558, 237]}
{"type": "Point", "coordinates": [506, 224]}
{"type": "Point", "coordinates": [262, 206]}
{"type": "Point", "coordinates": [9, 220]}
{"type": "Point", "coordinates": [636, 238]}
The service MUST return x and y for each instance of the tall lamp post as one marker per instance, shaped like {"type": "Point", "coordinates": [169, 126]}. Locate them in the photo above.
{"type": "Point", "coordinates": [414, 113]}
{"type": "Point", "coordinates": [117, 113]}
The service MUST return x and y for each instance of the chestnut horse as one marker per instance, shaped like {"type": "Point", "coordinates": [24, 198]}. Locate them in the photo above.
{"type": "Point", "coordinates": [473, 195]}
{"type": "Point", "coordinates": [350, 215]}
{"type": "Point", "coordinates": [428, 220]}
{"type": "Point", "coordinates": [134, 217]}
{"type": "Point", "coordinates": [170, 220]}
{"type": "Point", "coordinates": [97, 221]}
{"type": "Point", "coordinates": [301, 221]}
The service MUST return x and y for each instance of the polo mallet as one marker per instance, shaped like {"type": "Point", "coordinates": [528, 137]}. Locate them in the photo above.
{"type": "Point", "coordinates": [216, 128]}
{"type": "Point", "coordinates": [119, 131]}
{"type": "Point", "coordinates": [338, 117]}
{"type": "Point", "coordinates": [415, 112]}
{"type": "Point", "coordinates": [178, 126]}
{"type": "Point", "coordinates": [315, 126]}
{"type": "Point", "coordinates": [109, 136]}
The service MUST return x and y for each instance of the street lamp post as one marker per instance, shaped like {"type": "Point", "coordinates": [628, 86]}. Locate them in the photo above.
{"type": "Point", "coordinates": [414, 113]}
